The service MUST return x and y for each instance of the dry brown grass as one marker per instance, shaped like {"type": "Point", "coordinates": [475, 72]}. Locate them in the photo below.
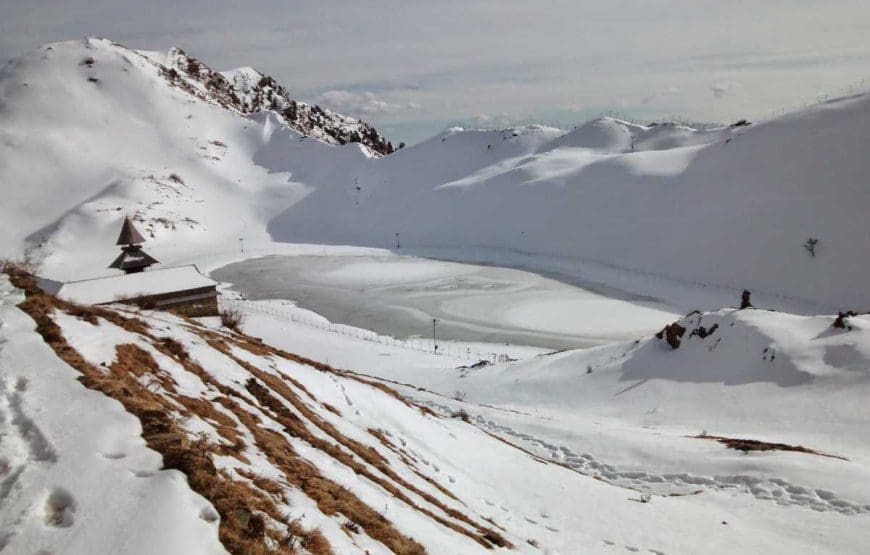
{"type": "Point", "coordinates": [174, 348]}
{"type": "Point", "coordinates": [232, 318]}
{"type": "Point", "coordinates": [241, 505]}
{"type": "Point", "coordinates": [245, 506]}
{"type": "Point", "coordinates": [395, 484]}
{"type": "Point", "coordinates": [257, 347]}
{"type": "Point", "coordinates": [747, 445]}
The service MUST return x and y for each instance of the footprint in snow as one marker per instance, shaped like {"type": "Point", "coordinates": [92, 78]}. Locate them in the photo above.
{"type": "Point", "coordinates": [59, 508]}
{"type": "Point", "coordinates": [209, 515]}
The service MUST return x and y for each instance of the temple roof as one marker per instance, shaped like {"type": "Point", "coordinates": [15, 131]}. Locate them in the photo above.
{"type": "Point", "coordinates": [132, 258]}
{"type": "Point", "coordinates": [129, 234]}
{"type": "Point", "coordinates": [128, 286]}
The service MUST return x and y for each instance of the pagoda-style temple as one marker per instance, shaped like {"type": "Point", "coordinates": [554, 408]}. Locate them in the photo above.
{"type": "Point", "coordinates": [181, 289]}
{"type": "Point", "coordinates": [132, 258]}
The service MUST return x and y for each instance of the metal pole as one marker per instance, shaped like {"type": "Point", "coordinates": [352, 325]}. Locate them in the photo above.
{"type": "Point", "coordinates": [398, 246]}
{"type": "Point", "coordinates": [434, 341]}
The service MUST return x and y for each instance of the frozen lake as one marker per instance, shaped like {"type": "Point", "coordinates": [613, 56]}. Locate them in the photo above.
{"type": "Point", "coordinates": [399, 296]}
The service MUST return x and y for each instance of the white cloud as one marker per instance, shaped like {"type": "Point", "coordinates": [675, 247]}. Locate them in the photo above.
{"type": "Point", "coordinates": [363, 103]}
{"type": "Point", "coordinates": [458, 57]}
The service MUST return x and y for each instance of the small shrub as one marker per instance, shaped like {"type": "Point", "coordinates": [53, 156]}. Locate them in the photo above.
{"type": "Point", "coordinates": [176, 178]}
{"type": "Point", "coordinates": [232, 318]}
{"type": "Point", "coordinates": [461, 414]}
{"type": "Point", "coordinates": [174, 347]}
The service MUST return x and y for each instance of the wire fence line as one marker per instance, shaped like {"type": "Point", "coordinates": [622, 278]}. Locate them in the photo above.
{"type": "Point", "coordinates": [420, 344]}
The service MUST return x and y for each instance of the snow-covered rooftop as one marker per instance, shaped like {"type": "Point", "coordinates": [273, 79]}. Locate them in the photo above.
{"type": "Point", "coordinates": [154, 282]}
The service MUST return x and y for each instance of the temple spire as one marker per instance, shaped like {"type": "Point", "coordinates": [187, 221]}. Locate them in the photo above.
{"type": "Point", "coordinates": [129, 234]}
{"type": "Point", "coordinates": [132, 258]}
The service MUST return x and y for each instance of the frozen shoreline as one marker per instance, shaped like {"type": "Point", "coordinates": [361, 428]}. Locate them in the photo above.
{"type": "Point", "coordinates": [472, 302]}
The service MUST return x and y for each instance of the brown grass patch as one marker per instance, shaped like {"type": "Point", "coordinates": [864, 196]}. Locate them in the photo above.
{"type": "Point", "coordinates": [241, 506]}
{"type": "Point", "coordinates": [481, 534]}
{"type": "Point", "coordinates": [246, 507]}
{"type": "Point", "coordinates": [747, 445]}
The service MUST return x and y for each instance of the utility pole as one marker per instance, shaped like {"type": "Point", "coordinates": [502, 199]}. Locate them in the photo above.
{"type": "Point", "coordinates": [242, 244]}
{"type": "Point", "coordinates": [398, 246]}
{"type": "Point", "coordinates": [434, 342]}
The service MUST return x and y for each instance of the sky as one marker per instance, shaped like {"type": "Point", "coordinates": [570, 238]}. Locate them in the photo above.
{"type": "Point", "coordinates": [413, 68]}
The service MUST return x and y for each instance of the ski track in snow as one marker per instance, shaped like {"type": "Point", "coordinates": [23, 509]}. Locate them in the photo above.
{"type": "Point", "coordinates": [776, 490]}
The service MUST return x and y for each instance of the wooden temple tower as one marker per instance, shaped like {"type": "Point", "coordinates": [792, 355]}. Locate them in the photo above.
{"type": "Point", "coordinates": [132, 259]}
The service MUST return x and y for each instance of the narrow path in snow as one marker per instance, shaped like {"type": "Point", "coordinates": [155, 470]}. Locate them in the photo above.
{"type": "Point", "coordinates": [772, 489]}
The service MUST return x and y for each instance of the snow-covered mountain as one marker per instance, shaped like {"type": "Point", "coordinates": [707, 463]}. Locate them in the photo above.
{"type": "Point", "coordinates": [629, 445]}
{"type": "Point", "coordinates": [91, 131]}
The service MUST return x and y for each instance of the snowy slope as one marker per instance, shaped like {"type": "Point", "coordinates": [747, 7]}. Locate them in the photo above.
{"type": "Point", "coordinates": [308, 443]}
{"type": "Point", "coordinates": [204, 158]}
{"type": "Point", "coordinates": [90, 131]}
{"type": "Point", "coordinates": [62, 487]}
{"type": "Point", "coordinates": [729, 207]}
{"type": "Point", "coordinates": [629, 414]}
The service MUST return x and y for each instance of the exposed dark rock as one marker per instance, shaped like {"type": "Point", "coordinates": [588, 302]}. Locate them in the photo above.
{"type": "Point", "coordinates": [841, 321]}
{"type": "Point", "coordinates": [673, 334]}
{"type": "Point", "coordinates": [703, 332]}
{"type": "Point", "coordinates": [264, 93]}
{"type": "Point", "coordinates": [745, 302]}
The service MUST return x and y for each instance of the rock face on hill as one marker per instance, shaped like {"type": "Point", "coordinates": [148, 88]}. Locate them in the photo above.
{"type": "Point", "coordinates": [249, 91]}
